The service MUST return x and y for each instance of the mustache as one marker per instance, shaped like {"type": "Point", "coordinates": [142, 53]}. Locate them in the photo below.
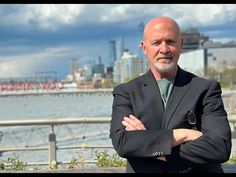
{"type": "Point", "coordinates": [163, 57]}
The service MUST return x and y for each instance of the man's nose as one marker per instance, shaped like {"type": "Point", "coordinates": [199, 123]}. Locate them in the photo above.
{"type": "Point", "coordinates": [164, 48]}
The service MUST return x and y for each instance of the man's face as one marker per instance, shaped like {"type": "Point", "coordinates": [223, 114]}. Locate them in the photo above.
{"type": "Point", "coordinates": [162, 46]}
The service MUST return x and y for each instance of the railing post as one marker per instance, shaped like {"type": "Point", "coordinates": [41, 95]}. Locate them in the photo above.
{"type": "Point", "coordinates": [52, 148]}
{"type": "Point", "coordinates": [232, 125]}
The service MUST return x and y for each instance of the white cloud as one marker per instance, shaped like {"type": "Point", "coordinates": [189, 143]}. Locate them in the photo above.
{"type": "Point", "coordinates": [19, 61]}
{"type": "Point", "coordinates": [19, 65]}
{"type": "Point", "coordinates": [46, 16]}
{"type": "Point", "coordinates": [186, 14]}
{"type": "Point", "coordinates": [205, 14]}
{"type": "Point", "coordinates": [51, 16]}
{"type": "Point", "coordinates": [14, 68]}
{"type": "Point", "coordinates": [116, 14]}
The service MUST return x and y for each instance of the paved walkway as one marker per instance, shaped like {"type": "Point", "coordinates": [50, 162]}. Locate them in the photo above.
{"type": "Point", "coordinates": [229, 168]}
{"type": "Point", "coordinates": [81, 170]}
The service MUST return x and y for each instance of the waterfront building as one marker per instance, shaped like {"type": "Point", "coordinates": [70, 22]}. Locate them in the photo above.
{"type": "Point", "coordinates": [85, 85]}
{"type": "Point", "coordinates": [202, 61]}
{"type": "Point", "coordinates": [128, 66]}
{"type": "Point", "coordinates": [73, 78]}
{"type": "Point", "coordinates": [86, 72]}
{"type": "Point", "coordinates": [193, 39]}
{"type": "Point", "coordinates": [99, 67]}
{"type": "Point", "coordinates": [112, 52]}
{"type": "Point", "coordinates": [120, 47]}
{"type": "Point", "coordinates": [74, 68]}
{"type": "Point", "coordinates": [97, 80]}
{"type": "Point", "coordinates": [108, 71]}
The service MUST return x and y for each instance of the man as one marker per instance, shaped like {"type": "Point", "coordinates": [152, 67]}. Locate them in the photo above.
{"type": "Point", "coordinates": [169, 120]}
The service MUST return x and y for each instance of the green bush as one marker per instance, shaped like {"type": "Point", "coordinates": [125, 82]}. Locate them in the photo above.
{"type": "Point", "coordinates": [12, 163]}
{"type": "Point", "coordinates": [106, 160]}
{"type": "Point", "coordinates": [232, 160]}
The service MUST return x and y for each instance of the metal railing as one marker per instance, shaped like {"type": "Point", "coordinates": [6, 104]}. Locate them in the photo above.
{"type": "Point", "coordinates": [52, 142]}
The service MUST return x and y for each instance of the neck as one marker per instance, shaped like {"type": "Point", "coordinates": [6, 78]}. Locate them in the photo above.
{"type": "Point", "coordinates": [159, 75]}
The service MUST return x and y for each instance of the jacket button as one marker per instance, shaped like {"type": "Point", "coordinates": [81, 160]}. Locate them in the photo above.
{"type": "Point", "coordinates": [155, 153]}
{"type": "Point", "coordinates": [162, 153]}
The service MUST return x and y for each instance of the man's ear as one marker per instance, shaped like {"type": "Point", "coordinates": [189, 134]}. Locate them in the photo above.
{"type": "Point", "coordinates": [143, 47]}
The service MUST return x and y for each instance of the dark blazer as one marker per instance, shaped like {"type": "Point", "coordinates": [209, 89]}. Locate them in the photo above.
{"type": "Point", "coordinates": [141, 97]}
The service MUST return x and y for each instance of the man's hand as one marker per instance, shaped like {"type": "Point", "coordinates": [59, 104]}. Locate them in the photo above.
{"type": "Point", "coordinates": [132, 123]}
{"type": "Point", "coordinates": [184, 135]}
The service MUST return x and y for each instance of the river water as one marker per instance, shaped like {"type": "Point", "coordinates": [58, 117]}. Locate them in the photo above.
{"type": "Point", "coordinates": [53, 106]}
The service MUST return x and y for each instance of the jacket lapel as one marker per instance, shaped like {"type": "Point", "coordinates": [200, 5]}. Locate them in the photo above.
{"type": "Point", "coordinates": [180, 88]}
{"type": "Point", "coordinates": [156, 110]}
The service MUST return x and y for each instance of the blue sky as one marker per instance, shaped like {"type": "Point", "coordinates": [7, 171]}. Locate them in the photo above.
{"type": "Point", "coordinates": [44, 37]}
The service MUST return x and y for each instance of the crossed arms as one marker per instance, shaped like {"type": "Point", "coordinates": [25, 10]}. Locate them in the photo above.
{"type": "Point", "coordinates": [180, 136]}
{"type": "Point", "coordinates": [131, 137]}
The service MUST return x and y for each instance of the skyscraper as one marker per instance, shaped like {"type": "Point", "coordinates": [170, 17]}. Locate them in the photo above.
{"type": "Point", "coordinates": [120, 47]}
{"type": "Point", "coordinates": [112, 52]}
{"type": "Point", "coordinates": [99, 67]}
{"type": "Point", "coordinates": [128, 66]}
{"type": "Point", "coordinates": [74, 68]}
{"type": "Point", "coordinates": [140, 36]}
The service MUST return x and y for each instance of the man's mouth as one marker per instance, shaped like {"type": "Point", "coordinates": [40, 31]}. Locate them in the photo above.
{"type": "Point", "coordinates": [166, 58]}
{"type": "Point", "coordinates": [163, 58]}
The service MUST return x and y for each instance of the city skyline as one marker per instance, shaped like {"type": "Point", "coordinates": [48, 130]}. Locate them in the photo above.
{"type": "Point", "coordinates": [45, 37]}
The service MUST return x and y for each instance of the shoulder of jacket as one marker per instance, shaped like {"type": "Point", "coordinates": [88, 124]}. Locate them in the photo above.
{"type": "Point", "coordinates": [198, 79]}
{"type": "Point", "coordinates": [130, 85]}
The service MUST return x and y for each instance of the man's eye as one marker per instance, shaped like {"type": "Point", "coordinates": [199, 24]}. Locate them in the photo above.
{"type": "Point", "coordinates": [170, 42]}
{"type": "Point", "coordinates": [155, 43]}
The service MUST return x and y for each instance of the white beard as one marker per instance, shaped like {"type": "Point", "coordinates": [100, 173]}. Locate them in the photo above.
{"type": "Point", "coordinates": [164, 68]}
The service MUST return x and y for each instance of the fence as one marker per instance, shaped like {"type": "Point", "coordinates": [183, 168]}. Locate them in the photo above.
{"type": "Point", "coordinates": [52, 142]}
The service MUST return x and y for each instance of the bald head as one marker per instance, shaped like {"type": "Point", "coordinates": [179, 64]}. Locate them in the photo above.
{"type": "Point", "coordinates": [161, 23]}
{"type": "Point", "coordinates": [162, 44]}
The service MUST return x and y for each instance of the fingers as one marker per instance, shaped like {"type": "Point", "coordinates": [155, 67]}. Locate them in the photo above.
{"type": "Point", "coordinates": [163, 158]}
{"type": "Point", "coordinates": [137, 121]}
{"type": "Point", "coordinates": [128, 126]}
{"type": "Point", "coordinates": [195, 134]}
{"type": "Point", "coordinates": [132, 123]}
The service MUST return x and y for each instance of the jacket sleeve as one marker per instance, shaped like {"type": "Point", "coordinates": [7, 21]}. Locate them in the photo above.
{"type": "Point", "coordinates": [140, 143]}
{"type": "Point", "coordinates": [215, 144]}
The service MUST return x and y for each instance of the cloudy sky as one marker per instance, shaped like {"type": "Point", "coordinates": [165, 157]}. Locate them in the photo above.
{"type": "Point", "coordinates": [44, 37]}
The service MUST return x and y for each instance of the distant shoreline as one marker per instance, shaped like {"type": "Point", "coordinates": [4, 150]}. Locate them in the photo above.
{"type": "Point", "coordinates": [61, 91]}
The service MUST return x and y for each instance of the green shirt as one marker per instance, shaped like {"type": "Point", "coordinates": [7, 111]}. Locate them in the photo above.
{"type": "Point", "coordinates": [165, 86]}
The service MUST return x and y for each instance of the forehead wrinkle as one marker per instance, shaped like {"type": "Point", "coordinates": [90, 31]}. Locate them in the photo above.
{"type": "Point", "coordinates": [161, 23]}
